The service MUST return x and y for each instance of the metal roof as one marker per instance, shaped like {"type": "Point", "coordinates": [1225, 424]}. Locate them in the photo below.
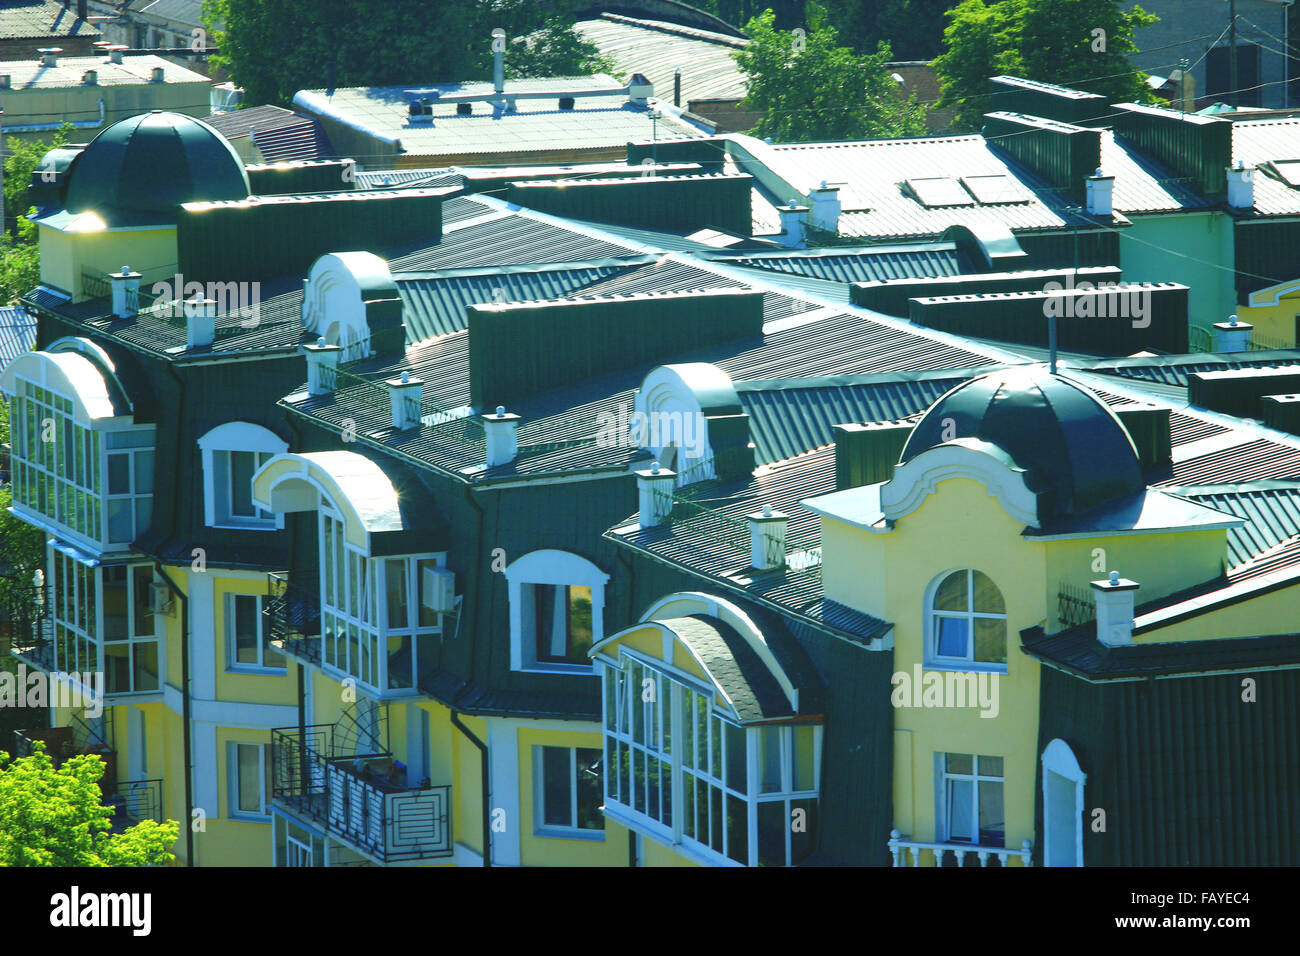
{"type": "Point", "coordinates": [656, 49]}
{"type": "Point", "coordinates": [1078, 652]}
{"type": "Point", "coordinates": [865, 265]}
{"type": "Point", "coordinates": [1143, 185]}
{"type": "Point", "coordinates": [1271, 509]}
{"type": "Point", "coordinates": [1256, 142]}
{"type": "Point", "coordinates": [32, 74]}
{"type": "Point", "coordinates": [17, 333]}
{"type": "Point", "coordinates": [536, 126]}
{"type": "Point", "coordinates": [407, 179]}
{"type": "Point", "coordinates": [42, 19]}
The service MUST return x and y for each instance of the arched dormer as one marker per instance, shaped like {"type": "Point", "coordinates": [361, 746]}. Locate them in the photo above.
{"type": "Point", "coordinates": [231, 454]}
{"type": "Point", "coordinates": [351, 300]}
{"type": "Point", "coordinates": [742, 759]}
{"type": "Point", "coordinates": [557, 611]}
{"type": "Point", "coordinates": [690, 418]}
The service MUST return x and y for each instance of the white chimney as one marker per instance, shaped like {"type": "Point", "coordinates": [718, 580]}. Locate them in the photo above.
{"type": "Point", "coordinates": [767, 539]}
{"type": "Point", "coordinates": [407, 397]}
{"type": "Point", "coordinates": [115, 53]}
{"type": "Point", "coordinates": [200, 322]}
{"type": "Point", "coordinates": [1232, 336]}
{"type": "Point", "coordinates": [1115, 609]}
{"type": "Point", "coordinates": [157, 75]}
{"type": "Point", "coordinates": [501, 429]}
{"type": "Point", "coordinates": [322, 359]}
{"type": "Point", "coordinates": [126, 292]}
{"type": "Point", "coordinates": [639, 90]}
{"type": "Point", "coordinates": [794, 223]}
{"type": "Point", "coordinates": [1241, 186]}
{"type": "Point", "coordinates": [90, 78]}
{"type": "Point", "coordinates": [499, 60]}
{"type": "Point", "coordinates": [825, 208]}
{"type": "Point", "coordinates": [654, 488]}
{"type": "Point", "coordinates": [1100, 194]}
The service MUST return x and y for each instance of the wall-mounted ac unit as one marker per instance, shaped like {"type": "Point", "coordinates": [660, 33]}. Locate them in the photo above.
{"type": "Point", "coordinates": [160, 598]}
{"type": "Point", "coordinates": [438, 590]}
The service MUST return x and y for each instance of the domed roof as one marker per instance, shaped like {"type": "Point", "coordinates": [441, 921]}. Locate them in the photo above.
{"type": "Point", "coordinates": [139, 169]}
{"type": "Point", "coordinates": [1075, 452]}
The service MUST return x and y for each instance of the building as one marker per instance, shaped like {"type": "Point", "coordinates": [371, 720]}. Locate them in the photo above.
{"type": "Point", "coordinates": [270, 134]}
{"type": "Point", "coordinates": [29, 26]}
{"type": "Point", "coordinates": [93, 92]}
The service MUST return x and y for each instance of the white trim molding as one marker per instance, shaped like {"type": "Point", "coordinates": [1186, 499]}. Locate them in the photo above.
{"type": "Point", "coordinates": [960, 458]}
{"type": "Point", "coordinates": [1059, 761]}
{"type": "Point", "coordinates": [555, 568]}
{"type": "Point", "coordinates": [214, 448]}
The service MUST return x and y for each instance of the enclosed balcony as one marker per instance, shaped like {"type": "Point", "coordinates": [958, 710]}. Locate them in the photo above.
{"type": "Point", "coordinates": [364, 800]}
{"type": "Point", "coordinates": [292, 611]}
{"type": "Point", "coordinates": [29, 626]}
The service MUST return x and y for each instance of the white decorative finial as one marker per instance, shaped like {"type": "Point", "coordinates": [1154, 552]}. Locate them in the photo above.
{"type": "Point", "coordinates": [1114, 577]}
{"type": "Point", "coordinates": [126, 270]}
{"type": "Point", "coordinates": [1232, 319]}
{"type": "Point", "coordinates": [321, 342]}
{"type": "Point", "coordinates": [767, 511]}
{"type": "Point", "coordinates": [406, 377]}
{"type": "Point", "coordinates": [501, 411]}
{"type": "Point", "coordinates": [654, 467]}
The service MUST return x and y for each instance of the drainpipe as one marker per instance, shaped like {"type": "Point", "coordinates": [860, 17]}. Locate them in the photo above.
{"type": "Point", "coordinates": [188, 757]}
{"type": "Point", "coordinates": [487, 796]}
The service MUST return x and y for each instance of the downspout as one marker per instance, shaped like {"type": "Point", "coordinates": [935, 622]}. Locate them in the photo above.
{"type": "Point", "coordinates": [188, 757]}
{"type": "Point", "coordinates": [484, 764]}
{"type": "Point", "coordinates": [186, 725]}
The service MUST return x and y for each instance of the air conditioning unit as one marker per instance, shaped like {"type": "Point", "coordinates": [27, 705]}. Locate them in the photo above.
{"type": "Point", "coordinates": [160, 598]}
{"type": "Point", "coordinates": [438, 590]}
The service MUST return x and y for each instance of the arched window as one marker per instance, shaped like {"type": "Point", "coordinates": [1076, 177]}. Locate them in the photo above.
{"type": "Point", "coordinates": [232, 453]}
{"type": "Point", "coordinates": [966, 621]}
{"type": "Point", "coordinates": [557, 603]}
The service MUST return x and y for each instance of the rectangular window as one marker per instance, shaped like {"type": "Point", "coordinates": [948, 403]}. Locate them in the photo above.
{"type": "Point", "coordinates": [249, 783]}
{"type": "Point", "coordinates": [562, 618]}
{"type": "Point", "coordinates": [567, 796]}
{"type": "Point", "coordinates": [244, 635]}
{"type": "Point", "coordinates": [972, 800]}
{"type": "Point", "coordinates": [231, 487]}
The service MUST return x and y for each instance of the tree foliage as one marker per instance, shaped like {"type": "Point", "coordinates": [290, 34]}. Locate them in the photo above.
{"type": "Point", "coordinates": [19, 257]}
{"type": "Point", "coordinates": [913, 28]}
{"type": "Point", "coordinates": [1082, 44]}
{"type": "Point", "coordinates": [555, 50]}
{"type": "Point", "coordinates": [811, 88]}
{"type": "Point", "coordinates": [274, 48]}
{"type": "Point", "coordinates": [53, 817]}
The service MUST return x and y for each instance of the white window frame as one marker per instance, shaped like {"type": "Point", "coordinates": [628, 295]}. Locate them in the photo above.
{"type": "Point", "coordinates": [943, 776]}
{"type": "Point", "coordinates": [233, 664]}
{"type": "Point", "coordinates": [215, 449]}
{"type": "Point", "coordinates": [1059, 760]}
{"type": "Point", "coordinates": [556, 831]}
{"type": "Point", "coordinates": [933, 660]}
{"type": "Point", "coordinates": [554, 568]}
{"type": "Point", "coordinates": [232, 782]}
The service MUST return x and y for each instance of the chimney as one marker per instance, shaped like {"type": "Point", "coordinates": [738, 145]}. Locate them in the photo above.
{"type": "Point", "coordinates": [677, 87]}
{"type": "Point", "coordinates": [156, 76]}
{"type": "Point", "coordinates": [1100, 194]}
{"type": "Point", "coordinates": [115, 53]}
{"type": "Point", "coordinates": [654, 488]}
{"type": "Point", "coordinates": [502, 432]}
{"type": "Point", "coordinates": [866, 454]}
{"type": "Point", "coordinates": [126, 292]}
{"type": "Point", "coordinates": [50, 55]}
{"type": "Point", "coordinates": [639, 90]}
{"type": "Point", "coordinates": [1232, 336]}
{"type": "Point", "coordinates": [826, 208]}
{"type": "Point", "coordinates": [1241, 186]}
{"type": "Point", "coordinates": [200, 322]}
{"type": "Point", "coordinates": [83, 13]}
{"type": "Point", "coordinates": [499, 60]}
{"type": "Point", "coordinates": [407, 396]}
{"type": "Point", "coordinates": [322, 361]}
{"type": "Point", "coordinates": [90, 77]}
{"type": "Point", "coordinates": [794, 222]}
{"type": "Point", "coordinates": [1115, 609]}
{"type": "Point", "coordinates": [767, 539]}
{"type": "Point", "coordinates": [6, 81]}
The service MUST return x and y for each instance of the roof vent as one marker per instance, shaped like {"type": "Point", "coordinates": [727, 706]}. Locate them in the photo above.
{"type": "Point", "coordinates": [866, 454]}
{"type": "Point", "coordinates": [90, 78]}
{"type": "Point", "coordinates": [566, 102]}
{"type": "Point", "coordinates": [6, 81]}
{"type": "Point", "coordinates": [1100, 194]}
{"type": "Point", "coordinates": [115, 52]}
{"type": "Point", "coordinates": [1232, 336]}
{"type": "Point", "coordinates": [767, 539]}
{"type": "Point", "coordinates": [50, 55]}
{"type": "Point", "coordinates": [502, 433]}
{"type": "Point", "coordinates": [200, 322]}
{"type": "Point", "coordinates": [407, 396]}
{"type": "Point", "coordinates": [464, 109]}
{"type": "Point", "coordinates": [654, 495]}
{"type": "Point", "coordinates": [1241, 186]}
{"type": "Point", "coordinates": [156, 76]}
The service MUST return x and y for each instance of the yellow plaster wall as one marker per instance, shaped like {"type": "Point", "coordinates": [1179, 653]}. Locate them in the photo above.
{"type": "Point", "coordinates": [65, 256]}
{"type": "Point", "coordinates": [551, 851]}
{"type": "Point", "coordinates": [237, 686]}
{"type": "Point", "coordinates": [1275, 613]}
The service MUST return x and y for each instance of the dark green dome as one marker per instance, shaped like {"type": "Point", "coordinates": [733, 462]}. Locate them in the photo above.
{"type": "Point", "coordinates": [140, 169]}
{"type": "Point", "coordinates": [1075, 452]}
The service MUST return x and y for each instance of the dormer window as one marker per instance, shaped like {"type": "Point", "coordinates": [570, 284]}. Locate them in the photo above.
{"type": "Point", "coordinates": [232, 453]}
{"type": "Point", "coordinates": [557, 602]}
{"type": "Point", "coordinates": [967, 623]}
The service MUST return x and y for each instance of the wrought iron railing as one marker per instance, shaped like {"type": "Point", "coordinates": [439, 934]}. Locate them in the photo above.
{"type": "Point", "coordinates": [292, 613]}
{"type": "Point", "coordinates": [354, 799]}
{"type": "Point", "coordinates": [1199, 339]}
{"type": "Point", "coordinates": [29, 620]}
{"type": "Point", "coordinates": [1075, 606]}
{"type": "Point", "coordinates": [139, 800]}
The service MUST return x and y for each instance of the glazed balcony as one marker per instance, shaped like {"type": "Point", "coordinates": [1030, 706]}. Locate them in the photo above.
{"type": "Point", "coordinates": [28, 624]}
{"type": "Point", "coordinates": [906, 852]}
{"type": "Point", "coordinates": [361, 799]}
{"type": "Point", "coordinates": [292, 612]}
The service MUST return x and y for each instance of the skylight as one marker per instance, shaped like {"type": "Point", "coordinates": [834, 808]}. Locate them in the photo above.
{"type": "Point", "coordinates": [994, 190]}
{"type": "Point", "coordinates": [939, 191]}
{"type": "Point", "coordinates": [1289, 170]}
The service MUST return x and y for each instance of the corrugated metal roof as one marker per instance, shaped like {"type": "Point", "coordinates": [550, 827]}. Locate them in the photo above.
{"type": "Point", "coordinates": [17, 333]}
{"type": "Point", "coordinates": [509, 240]}
{"type": "Point", "coordinates": [1144, 185]}
{"type": "Point", "coordinates": [237, 123]}
{"type": "Point", "coordinates": [1256, 142]}
{"type": "Point", "coordinates": [656, 49]}
{"type": "Point", "coordinates": [1249, 461]}
{"type": "Point", "coordinates": [536, 125]}
{"type": "Point", "coordinates": [32, 74]}
{"type": "Point", "coordinates": [43, 20]}
{"type": "Point", "coordinates": [408, 179]}
{"type": "Point", "coordinates": [302, 140]}
{"type": "Point", "coordinates": [1272, 513]}
{"type": "Point", "coordinates": [1175, 369]}
{"type": "Point", "coordinates": [867, 265]}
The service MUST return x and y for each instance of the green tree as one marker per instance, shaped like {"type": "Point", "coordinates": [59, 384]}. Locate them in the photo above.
{"type": "Point", "coordinates": [810, 88]}
{"type": "Point", "coordinates": [20, 269]}
{"type": "Point", "coordinates": [53, 817]}
{"type": "Point", "coordinates": [358, 43]}
{"type": "Point", "coordinates": [914, 28]}
{"type": "Point", "coordinates": [555, 50]}
{"type": "Point", "coordinates": [1082, 44]}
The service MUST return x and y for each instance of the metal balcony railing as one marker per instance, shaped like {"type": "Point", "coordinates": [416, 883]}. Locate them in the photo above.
{"type": "Point", "coordinates": [292, 613]}
{"type": "Point", "coordinates": [358, 798]}
{"type": "Point", "coordinates": [138, 800]}
{"type": "Point", "coordinates": [29, 625]}
{"type": "Point", "coordinates": [907, 852]}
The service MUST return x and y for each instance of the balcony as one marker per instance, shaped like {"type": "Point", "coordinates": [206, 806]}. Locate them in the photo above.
{"type": "Point", "coordinates": [29, 626]}
{"type": "Point", "coordinates": [292, 614]}
{"type": "Point", "coordinates": [360, 799]}
{"type": "Point", "coordinates": [136, 801]}
{"type": "Point", "coordinates": [901, 848]}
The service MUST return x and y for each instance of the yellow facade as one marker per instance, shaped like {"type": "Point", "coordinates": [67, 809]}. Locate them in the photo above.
{"type": "Point", "coordinates": [1275, 314]}
{"type": "Point", "coordinates": [67, 255]}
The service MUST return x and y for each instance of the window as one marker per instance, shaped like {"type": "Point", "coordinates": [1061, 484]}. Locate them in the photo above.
{"type": "Point", "coordinates": [130, 485]}
{"type": "Point", "coordinates": [557, 601]}
{"type": "Point", "coordinates": [232, 454]}
{"type": "Point", "coordinates": [971, 809]}
{"type": "Point", "coordinates": [938, 191]}
{"type": "Point", "coordinates": [245, 648]}
{"type": "Point", "coordinates": [296, 845]}
{"type": "Point", "coordinates": [682, 770]}
{"type": "Point", "coordinates": [249, 782]}
{"type": "Point", "coordinates": [102, 623]}
{"type": "Point", "coordinates": [967, 622]}
{"type": "Point", "coordinates": [567, 792]}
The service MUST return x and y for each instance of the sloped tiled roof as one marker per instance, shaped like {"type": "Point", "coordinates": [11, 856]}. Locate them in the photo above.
{"type": "Point", "coordinates": [42, 19]}
{"type": "Point", "coordinates": [17, 333]}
